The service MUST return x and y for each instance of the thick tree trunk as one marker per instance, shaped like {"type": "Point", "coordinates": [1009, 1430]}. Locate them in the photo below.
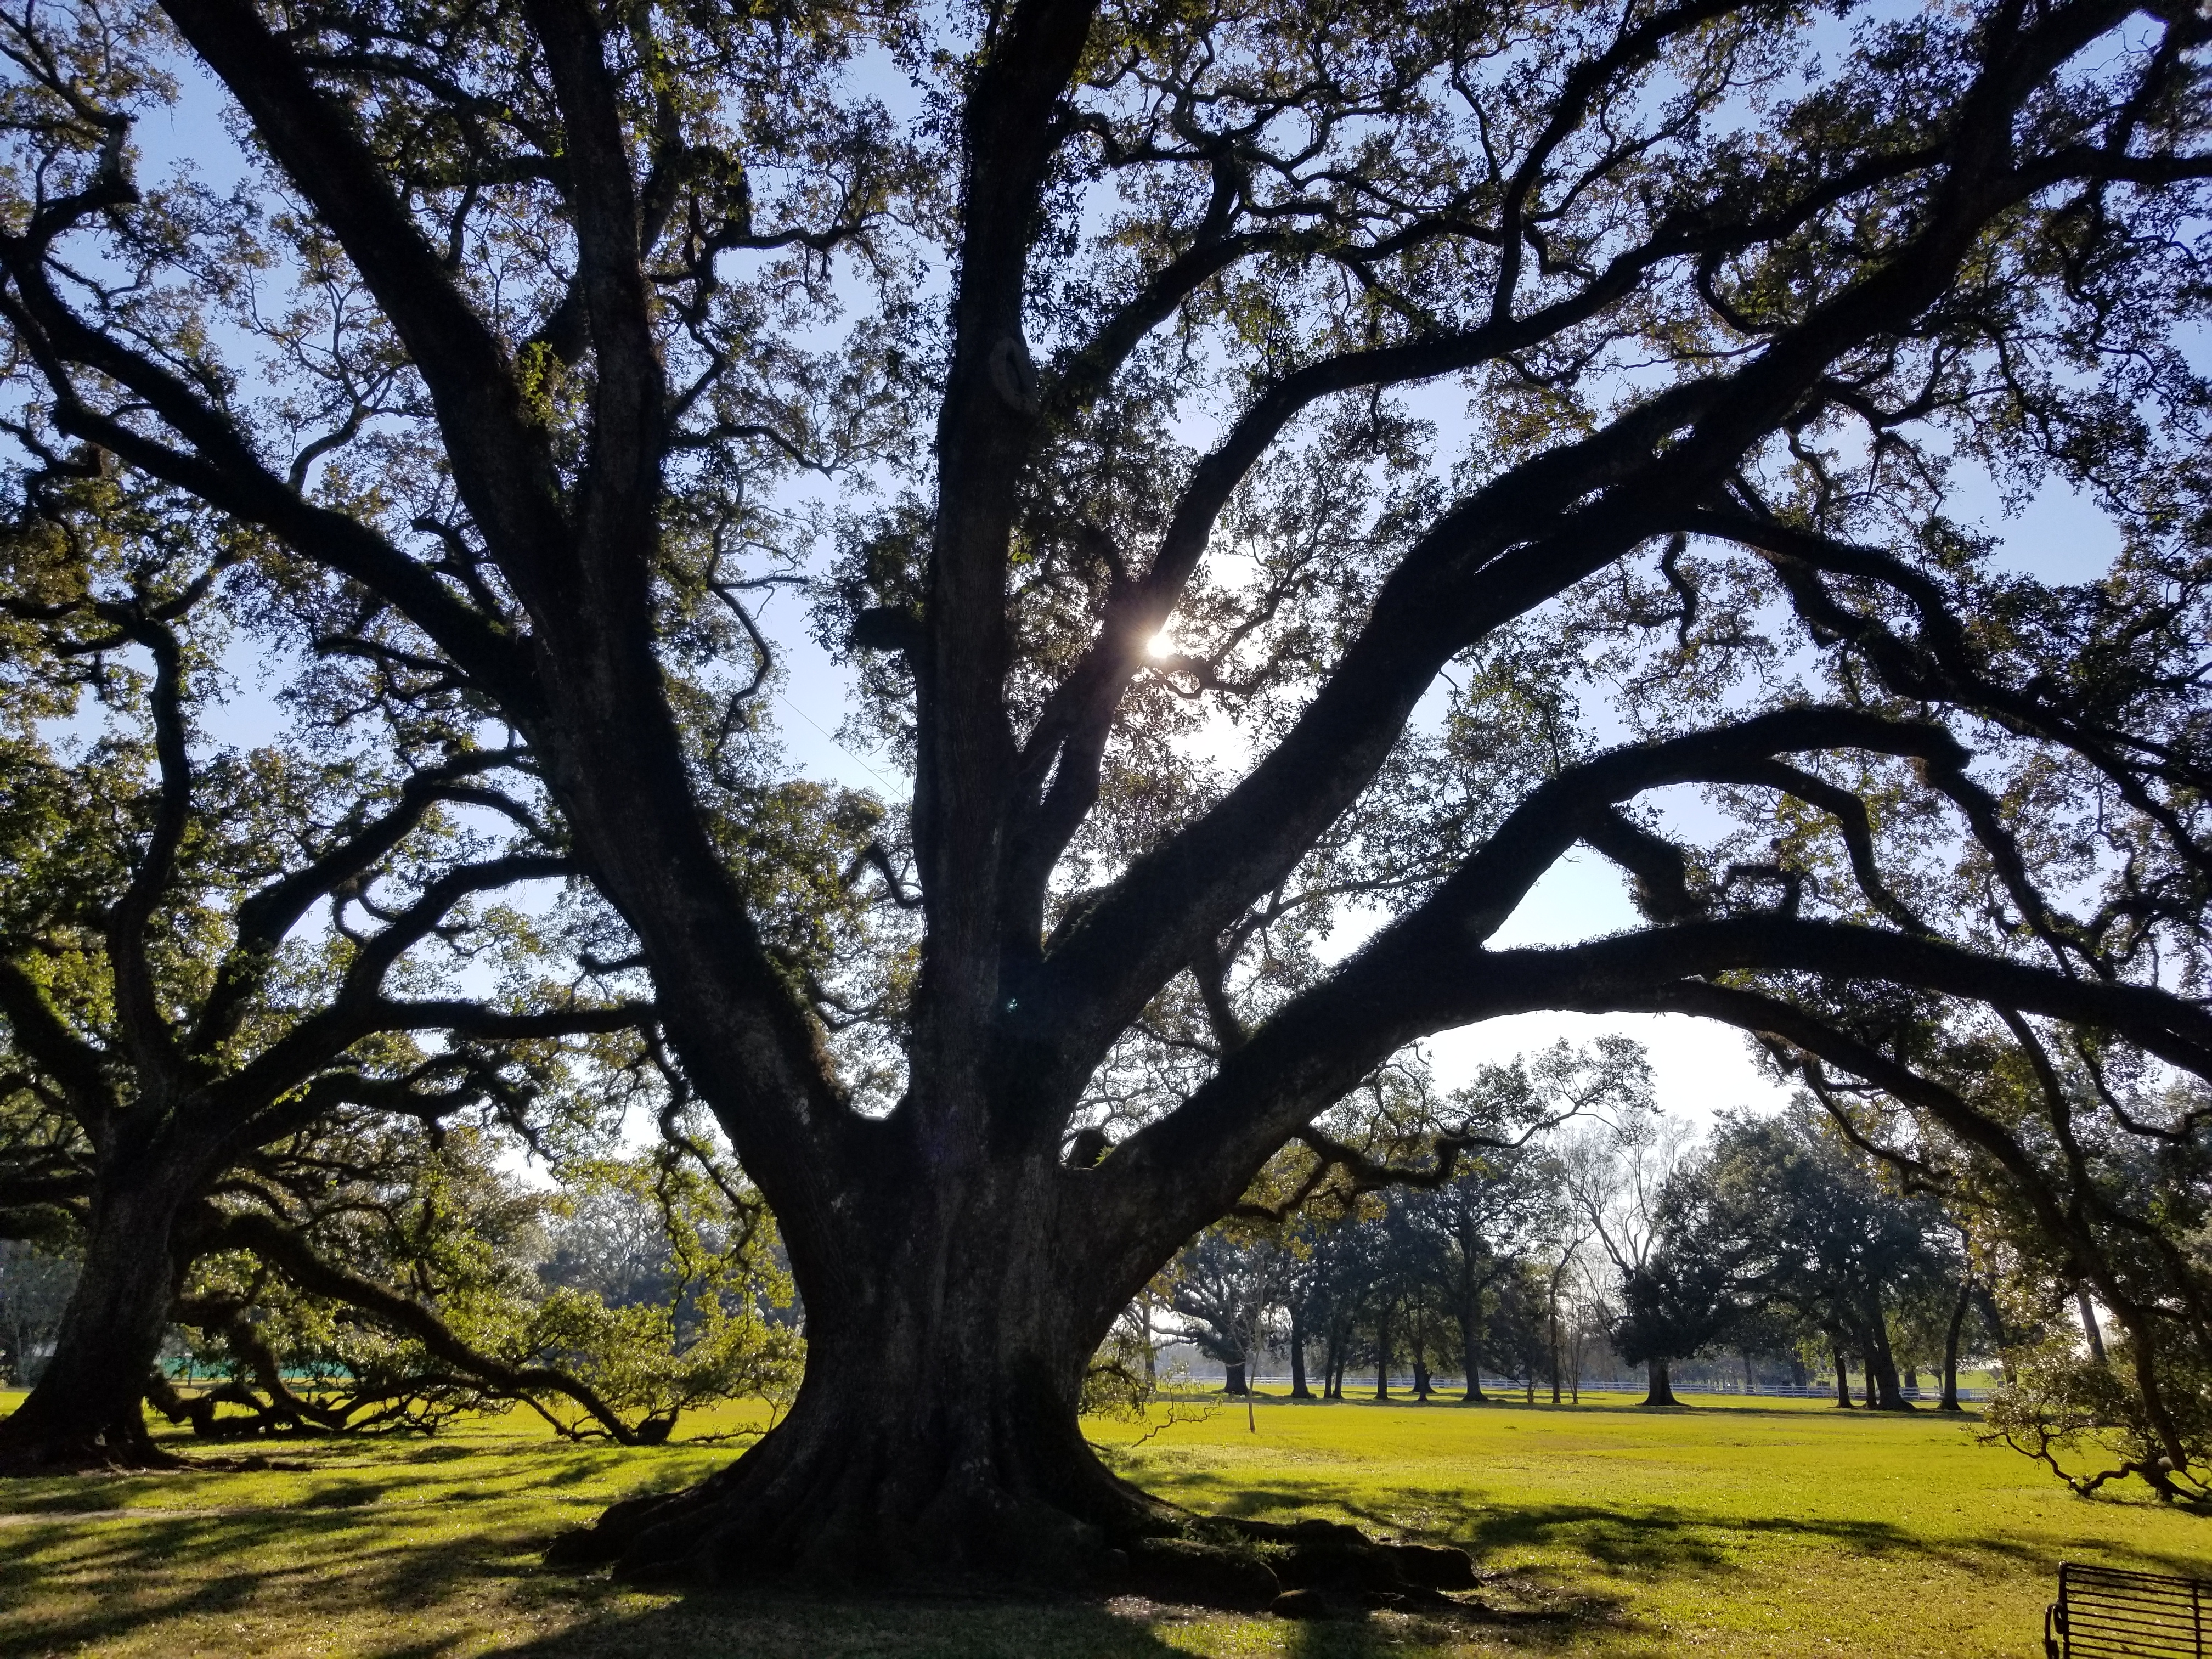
{"type": "Point", "coordinates": [988, 1475]}
{"type": "Point", "coordinates": [1842, 1380]}
{"type": "Point", "coordinates": [2092, 1332]}
{"type": "Point", "coordinates": [952, 1451]}
{"type": "Point", "coordinates": [1658, 1385]}
{"type": "Point", "coordinates": [1950, 1400]}
{"type": "Point", "coordinates": [1382, 1356]}
{"type": "Point", "coordinates": [935, 1436]}
{"type": "Point", "coordinates": [1884, 1392]}
{"type": "Point", "coordinates": [86, 1410]}
{"type": "Point", "coordinates": [1298, 1389]}
{"type": "Point", "coordinates": [936, 1431]}
{"type": "Point", "coordinates": [1233, 1380]}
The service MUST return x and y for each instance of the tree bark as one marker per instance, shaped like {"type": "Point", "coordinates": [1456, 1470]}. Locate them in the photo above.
{"type": "Point", "coordinates": [1298, 1389]}
{"type": "Point", "coordinates": [935, 1429]}
{"type": "Point", "coordinates": [1842, 1380]}
{"type": "Point", "coordinates": [2091, 1332]}
{"type": "Point", "coordinates": [1233, 1380]}
{"type": "Point", "coordinates": [1884, 1391]}
{"type": "Point", "coordinates": [1950, 1400]}
{"type": "Point", "coordinates": [935, 1436]}
{"type": "Point", "coordinates": [1658, 1385]}
{"type": "Point", "coordinates": [86, 1410]}
{"type": "Point", "coordinates": [1470, 1341]}
{"type": "Point", "coordinates": [1383, 1355]}
{"type": "Point", "coordinates": [1554, 1314]}
{"type": "Point", "coordinates": [1995, 1315]}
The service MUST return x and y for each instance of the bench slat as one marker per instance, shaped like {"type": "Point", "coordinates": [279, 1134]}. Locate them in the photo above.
{"type": "Point", "coordinates": [2110, 1612]}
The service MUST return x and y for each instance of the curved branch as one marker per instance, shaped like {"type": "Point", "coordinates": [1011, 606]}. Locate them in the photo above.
{"type": "Point", "coordinates": [291, 1255]}
{"type": "Point", "coordinates": [225, 472]}
{"type": "Point", "coordinates": [138, 1009]}
{"type": "Point", "coordinates": [501, 463]}
{"type": "Point", "coordinates": [1428, 973]}
{"type": "Point", "coordinates": [78, 1068]}
{"type": "Point", "coordinates": [265, 917]}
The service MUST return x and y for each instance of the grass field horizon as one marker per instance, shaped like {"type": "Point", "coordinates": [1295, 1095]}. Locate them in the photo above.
{"type": "Point", "coordinates": [1749, 1525]}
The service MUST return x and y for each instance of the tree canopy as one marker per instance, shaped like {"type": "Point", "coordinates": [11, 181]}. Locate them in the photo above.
{"type": "Point", "coordinates": [1295, 472]}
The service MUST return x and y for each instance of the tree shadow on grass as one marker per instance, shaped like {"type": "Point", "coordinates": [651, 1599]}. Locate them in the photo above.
{"type": "Point", "coordinates": [736, 1625]}
{"type": "Point", "coordinates": [70, 1583]}
{"type": "Point", "coordinates": [743, 1624]}
{"type": "Point", "coordinates": [1644, 1540]}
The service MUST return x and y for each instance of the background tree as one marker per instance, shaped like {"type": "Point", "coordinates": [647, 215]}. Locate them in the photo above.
{"type": "Point", "coordinates": [1618, 1179]}
{"type": "Point", "coordinates": [1347, 1264]}
{"type": "Point", "coordinates": [1783, 1211]}
{"type": "Point", "coordinates": [506, 329]}
{"type": "Point", "coordinates": [2118, 1209]}
{"type": "Point", "coordinates": [167, 1020]}
{"type": "Point", "coordinates": [1479, 1227]}
{"type": "Point", "coordinates": [1509, 1200]}
{"type": "Point", "coordinates": [34, 1290]}
{"type": "Point", "coordinates": [1226, 1285]}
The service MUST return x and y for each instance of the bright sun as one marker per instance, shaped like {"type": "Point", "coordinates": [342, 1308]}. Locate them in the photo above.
{"type": "Point", "coordinates": [1159, 646]}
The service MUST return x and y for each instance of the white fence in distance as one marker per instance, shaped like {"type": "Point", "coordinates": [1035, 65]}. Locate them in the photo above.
{"type": "Point", "coordinates": [1357, 1387]}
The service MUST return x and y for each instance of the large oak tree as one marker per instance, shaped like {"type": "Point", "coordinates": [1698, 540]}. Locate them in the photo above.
{"type": "Point", "coordinates": [188, 1063]}
{"type": "Point", "coordinates": [1300, 464]}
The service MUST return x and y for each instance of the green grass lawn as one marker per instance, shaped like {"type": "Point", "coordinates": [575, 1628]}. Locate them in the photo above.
{"type": "Point", "coordinates": [1734, 1527]}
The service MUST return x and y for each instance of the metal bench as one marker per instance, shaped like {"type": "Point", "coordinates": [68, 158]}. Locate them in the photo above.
{"type": "Point", "coordinates": [2103, 1613]}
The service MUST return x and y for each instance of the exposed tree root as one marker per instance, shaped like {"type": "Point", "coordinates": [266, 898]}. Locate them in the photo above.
{"type": "Point", "coordinates": [38, 1439]}
{"type": "Point", "coordinates": [34, 1462]}
{"type": "Point", "coordinates": [30, 1450]}
{"type": "Point", "coordinates": [1114, 1537]}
